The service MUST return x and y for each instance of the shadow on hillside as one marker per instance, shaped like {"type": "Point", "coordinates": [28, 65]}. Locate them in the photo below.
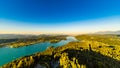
{"type": "Point", "coordinates": [92, 59]}
{"type": "Point", "coordinates": [85, 58]}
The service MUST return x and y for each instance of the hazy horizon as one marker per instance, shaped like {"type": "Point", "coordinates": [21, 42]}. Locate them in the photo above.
{"type": "Point", "coordinates": [59, 17]}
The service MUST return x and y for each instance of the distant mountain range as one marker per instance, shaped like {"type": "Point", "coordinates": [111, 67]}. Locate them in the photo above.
{"type": "Point", "coordinates": [11, 36]}
{"type": "Point", "coordinates": [108, 32]}
{"type": "Point", "coordinates": [20, 36]}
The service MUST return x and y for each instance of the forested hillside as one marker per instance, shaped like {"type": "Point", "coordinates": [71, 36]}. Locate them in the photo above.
{"type": "Point", "coordinates": [91, 51]}
{"type": "Point", "coordinates": [26, 40]}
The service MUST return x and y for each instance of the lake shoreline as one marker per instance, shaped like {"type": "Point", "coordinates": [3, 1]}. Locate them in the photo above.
{"type": "Point", "coordinates": [31, 49]}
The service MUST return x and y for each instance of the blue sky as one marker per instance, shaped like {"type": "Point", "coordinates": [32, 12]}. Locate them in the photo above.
{"type": "Point", "coordinates": [59, 16]}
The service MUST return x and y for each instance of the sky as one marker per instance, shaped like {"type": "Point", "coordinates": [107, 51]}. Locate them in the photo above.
{"type": "Point", "coordinates": [58, 16]}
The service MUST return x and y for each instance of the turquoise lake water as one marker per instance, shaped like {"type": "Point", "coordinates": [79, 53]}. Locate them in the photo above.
{"type": "Point", "coordinates": [8, 54]}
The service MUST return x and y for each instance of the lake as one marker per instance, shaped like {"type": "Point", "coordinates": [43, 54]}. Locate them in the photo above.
{"type": "Point", "coordinates": [8, 54]}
